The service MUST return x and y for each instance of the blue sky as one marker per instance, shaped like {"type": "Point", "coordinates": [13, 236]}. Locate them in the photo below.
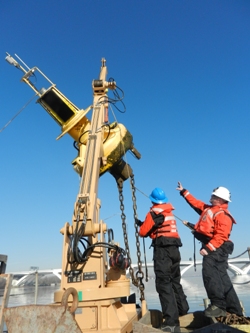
{"type": "Point", "coordinates": [184, 68]}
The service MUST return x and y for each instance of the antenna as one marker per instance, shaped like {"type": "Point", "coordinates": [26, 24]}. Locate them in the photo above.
{"type": "Point", "coordinates": [21, 61]}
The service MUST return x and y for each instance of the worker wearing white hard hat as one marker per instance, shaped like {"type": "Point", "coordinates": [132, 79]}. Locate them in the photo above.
{"type": "Point", "coordinates": [213, 230]}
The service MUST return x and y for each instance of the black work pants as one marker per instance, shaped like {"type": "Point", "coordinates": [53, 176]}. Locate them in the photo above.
{"type": "Point", "coordinates": [217, 283]}
{"type": "Point", "coordinates": [167, 281]}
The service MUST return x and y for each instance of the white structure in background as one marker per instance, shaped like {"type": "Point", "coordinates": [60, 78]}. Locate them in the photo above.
{"type": "Point", "coordinates": [53, 276]}
{"type": "Point", "coordinates": [243, 270]}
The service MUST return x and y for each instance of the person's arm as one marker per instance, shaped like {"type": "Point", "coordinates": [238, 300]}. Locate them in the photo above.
{"type": "Point", "coordinates": [197, 205]}
{"type": "Point", "coordinates": [146, 226]}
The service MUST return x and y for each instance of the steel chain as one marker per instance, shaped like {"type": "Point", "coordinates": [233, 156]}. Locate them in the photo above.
{"type": "Point", "coordinates": [139, 275]}
{"type": "Point", "coordinates": [233, 319]}
{"type": "Point", "coordinates": [124, 228]}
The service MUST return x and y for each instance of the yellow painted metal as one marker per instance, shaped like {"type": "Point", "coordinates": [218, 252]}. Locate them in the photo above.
{"type": "Point", "coordinates": [101, 148]}
{"type": "Point", "coordinates": [58, 106]}
{"type": "Point", "coordinates": [244, 328]}
{"type": "Point", "coordinates": [117, 140]}
{"type": "Point", "coordinates": [99, 288]}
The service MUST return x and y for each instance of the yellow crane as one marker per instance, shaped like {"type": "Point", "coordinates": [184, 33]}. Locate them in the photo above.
{"type": "Point", "coordinates": [92, 288]}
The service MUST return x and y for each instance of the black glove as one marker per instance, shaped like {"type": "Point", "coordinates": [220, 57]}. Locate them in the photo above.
{"type": "Point", "coordinates": [158, 219]}
{"type": "Point", "coordinates": [190, 225]}
{"type": "Point", "coordinates": [138, 222]}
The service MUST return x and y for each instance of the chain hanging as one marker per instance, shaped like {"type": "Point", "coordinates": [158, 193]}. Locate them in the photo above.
{"type": "Point", "coordinates": [139, 274]}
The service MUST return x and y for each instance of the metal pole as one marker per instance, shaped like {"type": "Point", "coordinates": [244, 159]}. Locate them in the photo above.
{"type": "Point", "coordinates": [206, 302]}
{"type": "Point", "coordinates": [36, 286]}
{"type": "Point", "coordinates": [248, 250]}
{"type": "Point", "coordinates": [243, 309]}
{"type": "Point", "coordinates": [5, 300]}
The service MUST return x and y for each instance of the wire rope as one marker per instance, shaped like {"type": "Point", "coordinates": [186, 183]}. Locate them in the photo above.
{"type": "Point", "coordinates": [10, 121]}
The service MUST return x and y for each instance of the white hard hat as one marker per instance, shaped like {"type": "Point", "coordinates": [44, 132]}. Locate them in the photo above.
{"type": "Point", "coordinates": [222, 193]}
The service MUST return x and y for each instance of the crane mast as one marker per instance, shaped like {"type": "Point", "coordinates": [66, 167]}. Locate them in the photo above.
{"type": "Point", "coordinates": [94, 154]}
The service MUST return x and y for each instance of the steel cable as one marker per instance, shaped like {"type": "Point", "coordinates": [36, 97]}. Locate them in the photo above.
{"type": "Point", "coordinates": [10, 121]}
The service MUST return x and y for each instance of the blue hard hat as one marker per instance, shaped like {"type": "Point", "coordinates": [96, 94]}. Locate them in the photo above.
{"type": "Point", "coordinates": [158, 196]}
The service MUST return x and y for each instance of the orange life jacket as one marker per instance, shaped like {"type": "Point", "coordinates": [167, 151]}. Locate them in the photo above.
{"type": "Point", "coordinates": [205, 225]}
{"type": "Point", "coordinates": [168, 228]}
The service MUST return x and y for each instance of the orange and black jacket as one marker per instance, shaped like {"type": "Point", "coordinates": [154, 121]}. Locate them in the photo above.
{"type": "Point", "coordinates": [166, 232]}
{"type": "Point", "coordinates": [215, 221]}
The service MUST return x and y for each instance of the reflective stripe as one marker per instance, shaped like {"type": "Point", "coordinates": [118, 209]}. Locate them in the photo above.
{"type": "Point", "coordinates": [210, 213]}
{"type": "Point", "coordinates": [168, 228]}
{"type": "Point", "coordinates": [163, 232]}
{"type": "Point", "coordinates": [186, 194]}
{"type": "Point", "coordinates": [214, 248]}
{"type": "Point", "coordinates": [219, 212]}
{"type": "Point", "coordinates": [169, 218]}
{"type": "Point", "coordinates": [157, 209]}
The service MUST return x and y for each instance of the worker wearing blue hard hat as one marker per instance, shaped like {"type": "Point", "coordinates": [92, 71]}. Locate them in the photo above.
{"type": "Point", "coordinates": [160, 226]}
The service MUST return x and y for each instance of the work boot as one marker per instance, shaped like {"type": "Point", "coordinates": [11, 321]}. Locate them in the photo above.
{"type": "Point", "coordinates": [173, 329]}
{"type": "Point", "coordinates": [214, 311]}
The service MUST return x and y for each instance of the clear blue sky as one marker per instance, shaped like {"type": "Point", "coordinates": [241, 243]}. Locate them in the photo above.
{"type": "Point", "coordinates": [184, 67]}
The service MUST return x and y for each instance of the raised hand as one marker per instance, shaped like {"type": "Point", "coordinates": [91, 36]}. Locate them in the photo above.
{"type": "Point", "coordinates": [179, 187]}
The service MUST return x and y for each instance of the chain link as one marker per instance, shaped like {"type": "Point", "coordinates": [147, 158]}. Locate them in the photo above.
{"type": "Point", "coordinates": [138, 281]}
{"type": "Point", "coordinates": [139, 273]}
{"type": "Point", "coordinates": [233, 319]}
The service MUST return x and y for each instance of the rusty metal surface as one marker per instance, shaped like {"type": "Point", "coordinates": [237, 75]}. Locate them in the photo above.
{"type": "Point", "coordinates": [233, 319]}
{"type": "Point", "coordinates": [40, 319]}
